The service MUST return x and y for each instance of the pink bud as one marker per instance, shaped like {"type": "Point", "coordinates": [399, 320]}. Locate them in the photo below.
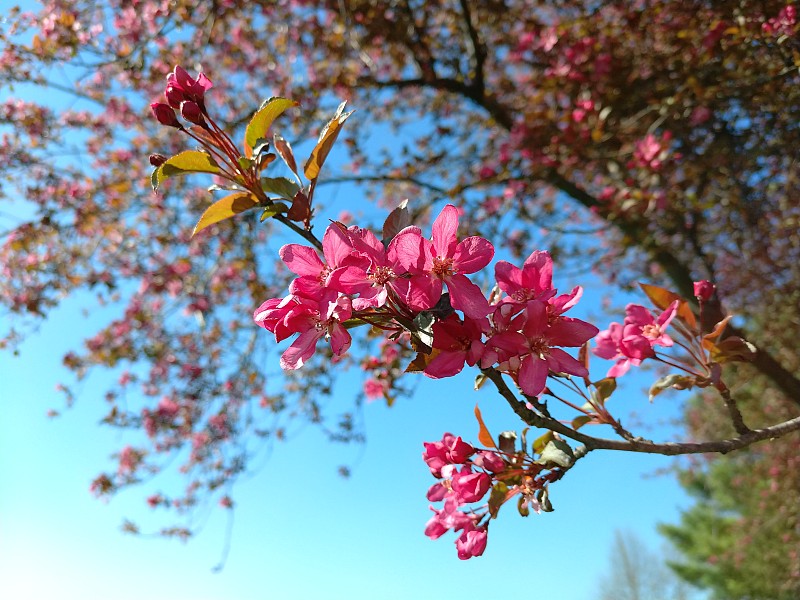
{"type": "Point", "coordinates": [490, 461]}
{"type": "Point", "coordinates": [471, 543]}
{"type": "Point", "coordinates": [469, 486]}
{"type": "Point", "coordinates": [704, 289]}
{"type": "Point", "coordinates": [164, 114]}
{"type": "Point", "coordinates": [192, 113]}
{"type": "Point", "coordinates": [174, 96]}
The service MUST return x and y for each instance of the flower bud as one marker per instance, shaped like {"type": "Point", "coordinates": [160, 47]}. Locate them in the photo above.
{"type": "Point", "coordinates": [704, 289]}
{"type": "Point", "coordinates": [471, 543]}
{"type": "Point", "coordinates": [164, 114]}
{"type": "Point", "coordinates": [174, 96]}
{"type": "Point", "coordinates": [157, 159]}
{"type": "Point", "coordinates": [192, 113]}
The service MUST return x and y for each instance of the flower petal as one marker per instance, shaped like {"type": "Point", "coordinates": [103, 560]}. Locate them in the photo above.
{"type": "Point", "coordinates": [444, 231]}
{"type": "Point", "coordinates": [533, 375]}
{"type": "Point", "coordinates": [301, 260]}
{"type": "Point", "coordinates": [472, 254]}
{"type": "Point", "coordinates": [467, 297]}
{"type": "Point", "coordinates": [300, 350]}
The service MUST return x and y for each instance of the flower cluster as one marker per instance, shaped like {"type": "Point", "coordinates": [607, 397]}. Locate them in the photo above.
{"type": "Point", "coordinates": [186, 95]}
{"type": "Point", "coordinates": [635, 339]}
{"type": "Point", "coordinates": [360, 279]}
{"type": "Point", "coordinates": [459, 487]}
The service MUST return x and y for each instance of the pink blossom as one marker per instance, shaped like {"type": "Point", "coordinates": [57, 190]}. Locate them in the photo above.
{"type": "Point", "coordinates": [529, 351]}
{"type": "Point", "coordinates": [450, 450]}
{"type": "Point", "coordinates": [374, 276]}
{"type": "Point", "coordinates": [313, 273]}
{"type": "Point", "coordinates": [533, 281]}
{"type": "Point", "coordinates": [458, 342]}
{"type": "Point", "coordinates": [295, 314]}
{"type": "Point", "coordinates": [472, 543]}
{"type": "Point", "coordinates": [444, 259]}
{"type": "Point", "coordinates": [633, 341]}
{"type": "Point", "coordinates": [447, 518]}
{"type": "Point", "coordinates": [491, 461]}
{"type": "Point", "coordinates": [642, 331]}
{"type": "Point", "coordinates": [470, 486]}
{"type": "Point", "coordinates": [373, 389]}
{"type": "Point", "coordinates": [182, 87]}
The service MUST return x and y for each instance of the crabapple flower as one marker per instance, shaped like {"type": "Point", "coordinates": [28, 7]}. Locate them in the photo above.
{"type": "Point", "coordinates": [642, 331]}
{"type": "Point", "coordinates": [533, 281]}
{"type": "Point", "coordinates": [450, 450]}
{"type": "Point", "coordinates": [634, 340]}
{"type": "Point", "coordinates": [458, 342]}
{"type": "Point", "coordinates": [608, 347]}
{"type": "Point", "coordinates": [444, 260]}
{"type": "Point", "coordinates": [529, 352]}
{"type": "Point", "coordinates": [472, 543]}
{"type": "Point", "coordinates": [182, 87]}
{"type": "Point", "coordinates": [296, 314]}
{"type": "Point", "coordinates": [375, 279]}
{"type": "Point", "coordinates": [470, 486]}
{"type": "Point", "coordinates": [304, 261]}
{"type": "Point", "coordinates": [447, 518]}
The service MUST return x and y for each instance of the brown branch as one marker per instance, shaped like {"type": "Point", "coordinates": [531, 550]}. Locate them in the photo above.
{"type": "Point", "coordinates": [733, 411]}
{"type": "Point", "coordinates": [532, 418]}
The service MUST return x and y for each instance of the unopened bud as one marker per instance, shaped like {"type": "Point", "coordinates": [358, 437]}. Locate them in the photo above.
{"type": "Point", "coordinates": [157, 159]}
{"type": "Point", "coordinates": [192, 113]}
{"type": "Point", "coordinates": [164, 114]}
{"type": "Point", "coordinates": [174, 96]}
{"type": "Point", "coordinates": [703, 290]}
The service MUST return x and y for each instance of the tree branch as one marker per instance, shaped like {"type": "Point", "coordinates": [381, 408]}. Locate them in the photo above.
{"type": "Point", "coordinates": [532, 418]}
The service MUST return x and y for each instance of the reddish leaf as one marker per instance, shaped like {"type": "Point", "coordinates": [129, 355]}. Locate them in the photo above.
{"type": "Point", "coordinates": [398, 219]}
{"type": "Point", "coordinates": [662, 298]}
{"type": "Point", "coordinates": [284, 149]}
{"type": "Point", "coordinates": [326, 140]}
{"type": "Point", "coordinates": [484, 437]}
{"type": "Point", "coordinates": [301, 208]}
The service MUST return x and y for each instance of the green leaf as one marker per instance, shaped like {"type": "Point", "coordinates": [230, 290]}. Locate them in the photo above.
{"type": "Point", "coordinates": [558, 453]}
{"type": "Point", "coordinates": [497, 498]}
{"type": "Point", "coordinates": [262, 120]}
{"type": "Point", "coordinates": [423, 324]}
{"type": "Point", "coordinates": [225, 208]}
{"type": "Point", "coordinates": [604, 388]}
{"type": "Point", "coordinates": [542, 441]}
{"type": "Point", "coordinates": [480, 379]}
{"type": "Point", "coordinates": [678, 382]}
{"type": "Point", "coordinates": [326, 140]}
{"type": "Point", "coordinates": [273, 209]}
{"type": "Point", "coordinates": [543, 496]}
{"type": "Point", "coordinates": [280, 186]}
{"type": "Point", "coordinates": [580, 421]}
{"type": "Point", "coordinates": [188, 161]}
